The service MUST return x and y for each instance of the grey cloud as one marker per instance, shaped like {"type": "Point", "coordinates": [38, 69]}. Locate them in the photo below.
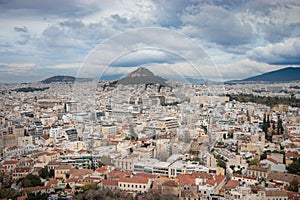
{"type": "Point", "coordinates": [142, 57]}
{"type": "Point", "coordinates": [277, 32]}
{"type": "Point", "coordinates": [276, 20]}
{"type": "Point", "coordinates": [53, 7]}
{"type": "Point", "coordinates": [25, 38]}
{"type": "Point", "coordinates": [218, 25]}
{"type": "Point", "coordinates": [119, 19]}
{"type": "Point", "coordinates": [74, 24]}
{"type": "Point", "coordinates": [23, 29]}
{"type": "Point", "coordinates": [283, 53]}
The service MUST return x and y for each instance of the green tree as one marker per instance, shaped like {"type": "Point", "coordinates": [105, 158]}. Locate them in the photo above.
{"type": "Point", "coordinates": [265, 124]}
{"type": "Point", "coordinates": [254, 161]}
{"type": "Point", "coordinates": [38, 196]}
{"type": "Point", "coordinates": [51, 173]}
{"type": "Point", "coordinates": [67, 175]}
{"type": "Point", "coordinates": [263, 155]}
{"type": "Point", "coordinates": [294, 185]}
{"type": "Point", "coordinates": [91, 186]}
{"type": "Point", "coordinates": [221, 163]}
{"type": "Point", "coordinates": [5, 180]}
{"type": "Point", "coordinates": [44, 173]}
{"type": "Point", "coordinates": [8, 193]}
{"type": "Point", "coordinates": [31, 181]}
{"type": "Point", "coordinates": [279, 125]}
{"type": "Point", "coordinates": [294, 167]}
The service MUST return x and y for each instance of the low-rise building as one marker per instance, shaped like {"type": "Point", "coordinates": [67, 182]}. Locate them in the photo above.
{"type": "Point", "coordinates": [135, 184]}
{"type": "Point", "coordinates": [61, 171]}
{"type": "Point", "coordinates": [258, 171]}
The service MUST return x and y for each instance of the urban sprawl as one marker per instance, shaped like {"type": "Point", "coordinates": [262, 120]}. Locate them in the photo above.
{"type": "Point", "coordinates": [181, 141]}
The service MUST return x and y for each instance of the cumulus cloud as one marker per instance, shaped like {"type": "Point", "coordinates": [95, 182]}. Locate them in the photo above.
{"type": "Point", "coordinates": [56, 33]}
{"type": "Point", "coordinates": [282, 53]}
{"type": "Point", "coordinates": [221, 27]}
{"type": "Point", "coordinates": [245, 68]}
{"type": "Point", "coordinates": [140, 57]}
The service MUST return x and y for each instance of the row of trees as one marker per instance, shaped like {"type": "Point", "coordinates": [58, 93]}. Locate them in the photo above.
{"type": "Point", "coordinates": [267, 124]}
{"type": "Point", "coordinates": [269, 101]}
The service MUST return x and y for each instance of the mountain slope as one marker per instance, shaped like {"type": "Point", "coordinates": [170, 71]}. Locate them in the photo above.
{"type": "Point", "coordinates": [54, 79]}
{"type": "Point", "coordinates": [281, 75]}
{"type": "Point", "coordinates": [64, 79]}
{"type": "Point", "coordinates": [142, 76]}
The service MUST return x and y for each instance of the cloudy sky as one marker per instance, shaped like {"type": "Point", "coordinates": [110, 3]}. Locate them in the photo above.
{"type": "Point", "coordinates": [242, 38]}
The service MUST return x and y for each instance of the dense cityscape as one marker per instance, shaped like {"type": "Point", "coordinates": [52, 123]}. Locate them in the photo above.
{"type": "Point", "coordinates": [150, 100]}
{"type": "Point", "coordinates": [147, 141]}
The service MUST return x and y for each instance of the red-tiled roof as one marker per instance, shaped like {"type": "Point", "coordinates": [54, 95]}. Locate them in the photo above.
{"type": "Point", "coordinates": [272, 160]}
{"type": "Point", "coordinates": [82, 151]}
{"type": "Point", "coordinates": [71, 180]}
{"type": "Point", "coordinates": [186, 179]}
{"type": "Point", "coordinates": [110, 183]}
{"type": "Point", "coordinates": [244, 177]}
{"type": "Point", "coordinates": [170, 183]}
{"type": "Point", "coordinates": [144, 139]}
{"type": "Point", "coordinates": [11, 148]}
{"type": "Point", "coordinates": [69, 151]}
{"type": "Point", "coordinates": [217, 179]}
{"type": "Point", "coordinates": [276, 193]}
{"type": "Point", "coordinates": [40, 154]}
{"type": "Point", "coordinates": [145, 175]}
{"type": "Point", "coordinates": [101, 170]}
{"type": "Point", "coordinates": [51, 153]}
{"type": "Point", "coordinates": [284, 177]}
{"type": "Point", "coordinates": [22, 198]}
{"type": "Point", "coordinates": [58, 150]}
{"type": "Point", "coordinates": [63, 167]}
{"type": "Point", "coordinates": [294, 140]}
{"type": "Point", "coordinates": [202, 175]}
{"type": "Point", "coordinates": [139, 180]}
{"type": "Point", "coordinates": [292, 154]}
{"type": "Point", "coordinates": [293, 195]}
{"type": "Point", "coordinates": [36, 188]}
{"type": "Point", "coordinates": [52, 182]}
{"type": "Point", "coordinates": [80, 172]}
{"type": "Point", "coordinates": [45, 137]}
{"type": "Point", "coordinates": [10, 162]}
{"type": "Point", "coordinates": [118, 174]}
{"type": "Point", "coordinates": [54, 162]}
{"type": "Point", "coordinates": [231, 184]}
{"type": "Point", "coordinates": [22, 169]}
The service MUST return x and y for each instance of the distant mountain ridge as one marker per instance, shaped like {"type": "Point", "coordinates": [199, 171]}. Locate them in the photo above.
{"type": "Point", "coordinates": [282, 75]}
{"type": "Point", "coordinates": [142, 76]}
{"type": "Point", "coordinates": [63, 79]}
